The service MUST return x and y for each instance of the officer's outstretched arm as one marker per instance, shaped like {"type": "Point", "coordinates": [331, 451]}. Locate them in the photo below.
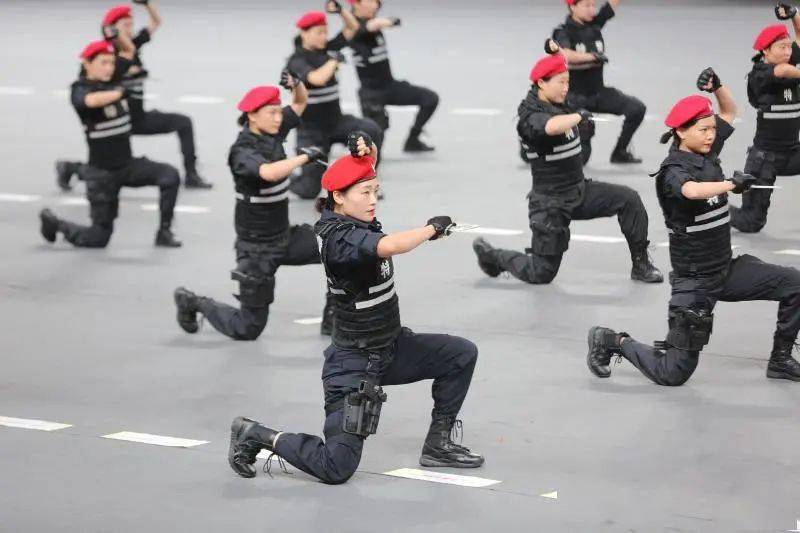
{"type": "Point", "coordinates": [785, 70]}
{"type": "Point", "coordinates": [280, 169]}
{"type": "Point", "coordinates": [381, 23]}
{"type": "Point", "coordinates": [695, 190]}
{"type": "Point", "coordinates": [323, 74]}
{"type": "Point", "coordinates": [578, 57]}
{"type": "Point", "coordinates": [561, 124]}
{"type": "Point", "coordinates": [404, 241]}
{"type": "Point", "coordinates": [103, 98]}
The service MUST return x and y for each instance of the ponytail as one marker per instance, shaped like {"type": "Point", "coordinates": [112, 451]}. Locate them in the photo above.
{"type": "Point", "coordinates": [667, 136]}
{"type": "Point", "coordinates": [323, 203]}
{"type": "Point", "coordinates": [242, 120]}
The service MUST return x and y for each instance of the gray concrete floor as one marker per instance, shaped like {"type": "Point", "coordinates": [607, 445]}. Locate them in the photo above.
{"type": "Point", "coordinates": [89, 337]}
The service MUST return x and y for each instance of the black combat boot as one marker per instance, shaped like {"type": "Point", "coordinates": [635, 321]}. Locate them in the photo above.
{"type": "Point", "coordinates": [326, 328]}
{"type": "Point", "coordinates": [781, 363]}
{"type": "Point", "coordinates": [49, 227]}
{"type": "Point", "coordinates": [64, 172]}
{"type": "Point", "coordinates": [624, 157]}
{"type": "Point", "coordinates": [604, 343]}
{"type": "Point", "coordinates": [187, 304]}
{"type": "Point", "coordinates": [167, 239]}
{"type": "Point", "coordinates": [193, 180]}
{"type": "Point", "coordinates": [486, 261]}
{"type": "Point", "coordinates": [440, 450]}
{"type": "Point", "coordinates": [415, 145]}
{"type": "Point", "coordinates": [248, 437]}
{"type": "Point", "coordinates": [643, 268]}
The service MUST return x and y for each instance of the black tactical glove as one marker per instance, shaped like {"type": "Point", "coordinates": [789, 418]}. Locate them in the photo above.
{"type": "Point", "coordinates": [600, 57]}
{"type": "Point", "coordinates": [289, 80]}
{"type": "Point", "coordinates": [332, 6]}
{"type": "Point", "coordinates": [352, 142]}
{"type": "Point", "coordinates": [742, 182]}
{"type": "Point", "coordinates": [708, 81]}
{"type": "Point", "coordinates": [586, 115]}
{"type": "Point", "coordinates": [785, 11]}
{"type": "Point", "coordinates": [314, 154]}
{"type": "Point", "coordinates": [126, 91]}
{"type": "Point", "coordinates": [337, 55]}
{"type": "Point", "coordinates": [551, 46]}
{"type": "Point", "coordinates": [395, 21]}
{"type": "Point", "coordinates": [142, 2]}
{"type": "Point", "coordinates": [110, 32]}
{"type": "Point", "coordinates": [442, 225]}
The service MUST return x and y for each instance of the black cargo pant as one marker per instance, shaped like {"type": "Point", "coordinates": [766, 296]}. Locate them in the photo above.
{"type": "Point", "coordinates": [764, 165]}
{"type": "Point", "coordinates": [102, 191]}
{"type": "Point", "coordinates": [747, 279]}
{"type": "Point", "coordinates": [308, 183]}
{"type": "Point", "coordinates": [399, 93]}
{"type": "Point", "coordinates": [256, 265]}
{"type": "Point", "coordinates": [155, 122]}
{"type": "Point", "coordinates": [550, 217]}
{"type": "Point", "coordinates": [614, 102]}
{"type": "Point", "coordinates": [449, 361]}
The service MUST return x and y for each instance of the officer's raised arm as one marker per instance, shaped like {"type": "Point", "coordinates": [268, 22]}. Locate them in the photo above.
{"type": "Point", "coordinates": [153, 13]}
{"type": "Point", "coordinates": [709, 81]}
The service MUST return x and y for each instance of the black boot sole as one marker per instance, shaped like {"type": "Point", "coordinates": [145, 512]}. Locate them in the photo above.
{"type": "Point", "coordinates": [778, 374]}
{"type": "Point", "coordinates": [237, 426]}
{"type": "Point", "coordinates": [592, 368]}
{"type": "Point", "coordinates": [188, 327]}
{"type": "Point", "coordinates": [432, 462]}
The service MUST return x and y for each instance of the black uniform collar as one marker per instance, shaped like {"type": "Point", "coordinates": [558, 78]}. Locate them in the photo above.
{"type": "Point", "coordinates": [533, 104]}
{"type": "Point", "coordinates": [329, 217]}
{"type": "Point", "coordinates": [247, 135]}
{"type": "Point", "coordinates": [571, 22]}
{"type": "Point", "coordinates": [682, 156]}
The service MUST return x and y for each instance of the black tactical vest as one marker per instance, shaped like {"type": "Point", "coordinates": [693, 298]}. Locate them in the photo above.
{"type": "Point", "coordinates": [367, 309]}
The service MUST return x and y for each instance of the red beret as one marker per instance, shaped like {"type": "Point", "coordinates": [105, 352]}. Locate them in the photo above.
{"type": "Point", "coordinates": [769, 35]}
{"type": "Point", "coordinates": [347, 171]}
{"type": "Point", "coordinates": [571, 2]}
{"type": "Point", "coordinates": [97, 47]}
{"type": "Point", "coordinates": [311, 19]}
{"type": "Point", "coordinates": [688, 109]}
{"type": "Point", "coordinates": [548, 66]}
{"type": "Point", "coordinates": [116, 13]}
{"type": "Point", "coordinates": [258, 97]}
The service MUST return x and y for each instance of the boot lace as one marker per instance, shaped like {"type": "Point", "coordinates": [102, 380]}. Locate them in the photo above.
{"type": "Point", "coordinates": [267, 468]}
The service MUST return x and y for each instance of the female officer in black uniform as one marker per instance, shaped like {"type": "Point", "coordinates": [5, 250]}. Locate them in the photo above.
{"type": "Point", "coordinates": [550, 134]}
{"type": "Point", "coordinates": [265, 239]}
{"type": "Point", "coordinates": [693, 193]}
{"type": "Point", "coordinates": [581, 38]}
{"type": "Point", "coordinates": [102, 106]}
{"type": "Point", "coordinates": [119, 20]}
{"type": "Point", "coordinates": [378, 86]}
{"type": "Point", "coordinates": [773, 88]}
{"type": "Point", "coordinates": [370, 348]}
{"type": "Point", "coordinates": [315, 62]}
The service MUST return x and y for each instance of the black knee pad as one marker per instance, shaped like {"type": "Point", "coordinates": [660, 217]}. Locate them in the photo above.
{"type": "Point", "coordinates": [256, 292]}
{"type": "Point", "coordinates": [431, 99]}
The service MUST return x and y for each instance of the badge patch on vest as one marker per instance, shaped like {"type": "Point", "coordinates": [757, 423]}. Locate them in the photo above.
{"type": "Point", "coordinates": [714, 200]}
{"type": "Point", "coordinates": [599, 46]}
{"type": "Point", "coordinates": [580, 48]}
{"type": "Point", "coordinates": [386, 269]}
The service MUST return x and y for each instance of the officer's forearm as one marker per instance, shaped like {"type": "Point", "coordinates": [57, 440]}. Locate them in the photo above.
{"type": "Point", "coordinates": [404, 241]}
{"type": "Point", "coordinates": [299, 99]}
{"type": "Point", "coordinates": [578, 57]}
{"type": "Point", "coordinates": [727, 105]}
{"type": "Point", "coordinates": [350, 22]}
{"type": "Point", "coordinates": [614, 4]}
{"type": "Point", "coordinates": [561, 124]}
{"type": "Point", "coordinates": [155, 17]}
{"type": "Point", "coordinates": [280, 169]}
{"type": "Point", "coordinates": [695, 190]}
{"type": "Point", "coordinates": [785, 70]}
{"type": "Point", "coordinates": [323, 74]}
{"type": "Point", "coordinates": [378, 24]}
{"type": "Point", "coordinates": [102, 98]}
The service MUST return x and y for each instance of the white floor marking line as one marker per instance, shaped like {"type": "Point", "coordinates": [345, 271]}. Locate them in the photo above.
{"type": "Point", "coordinates": [157, 440]}
{"type": "Point", "coordinates": [439, 477]}
{"type": "Point", "coordinates": [24, 423]}
{"type": "Point", "coordinates": [402, 108]}
{"type": "Point", "coordinates": [60, 93]}
{"type": "Point", "coordinates": [493, 231]}
{"type": "Point", "coordinates": [788, 252]}
{"type": "Point", "coordinates": [200, 99]}
{"type": "Point", "coordinates": [149, 96]}
{"type": "Point", "coordinates": [11, 197]}
{"type": "Point", "coordinates": [189, 209]}
{"type": "Point", "coordinates": [73, 201]}
{"type": "Point", "coordinates": [597, 238]}
{"type": "Point", "coordinates": [485, 112]}
{"type": "Point", "coordinates": [309, 321]}
{"type": "Point", "coordinates": [16, 91]}
{"type": "Point", "coordinates": [551, 495]}
{"type": "Point", "coordinates": [663, 245]}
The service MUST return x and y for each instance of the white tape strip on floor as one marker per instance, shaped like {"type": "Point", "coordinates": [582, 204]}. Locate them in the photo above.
{"type": "Point", "coordinates": [60, 93]}
{"type": "Point", "coordinates": [73, 201]}
{"type": "Point", "coordinates": [200, 99]}
{"type": "Point", "coordinates": [788, 252]}
{"type": "Point", "coordinates": [551, 495]}
{"type": "Point", "coordinates": [309, 321]}
{"type": "Point", "coordinates": [16, 91]}
{"type": "Point", "coordinates": [597, 238]}
{"type": "Point", "coordinates": [477, 111]}
{"type": "Point", "coordinates": [157, 440]}
{"type": "Point", "coordinates": [11, 197]}
{"type": "Point", "coordinates": [440, 477]}
{"type": "Point", "coordinates": [190, 209]}
{"type": "Point", "coordinates": [24, 423]}
{"type": "Point", "coordinates": [493, 231]}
